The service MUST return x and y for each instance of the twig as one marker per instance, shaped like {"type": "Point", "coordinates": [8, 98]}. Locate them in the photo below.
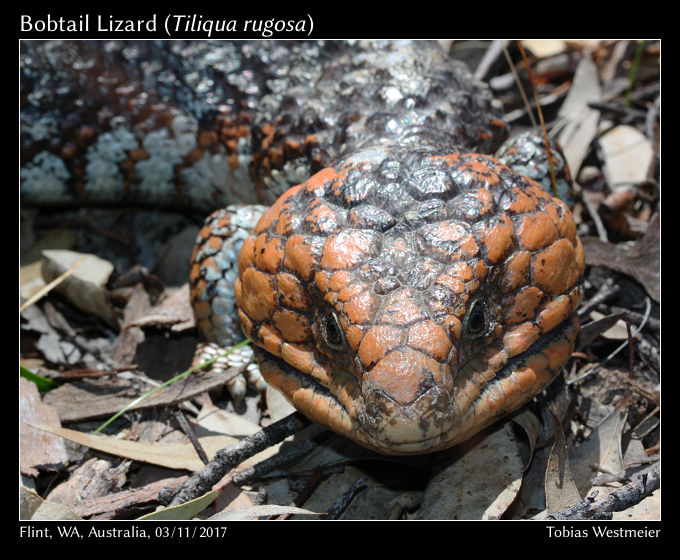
{"type": "Point", "coordinates": [58, 280]}
{"type": "Point", "coordinates": [304, 493]}
{"type": "Point", "coordinates": [342, 503]}
{"type": "Point", "coordinates": [599, 226]}
{"type": "Point", "coordinates": [182, 421]}
{"type": "Point", "coordinates": [229, 457]}
{"type": "Point", "coordinates": [92, 373]}
{"type": "Point", "coordinates": [520, 88]}
{"type": "Point", "coordinates": [615, 352]}
{"type": "Point", "coordinates": [605, 291]}
{"type": "Point", "coordinates": [292, 453]}
{"type": "Point", "coordinates": [618, 500]}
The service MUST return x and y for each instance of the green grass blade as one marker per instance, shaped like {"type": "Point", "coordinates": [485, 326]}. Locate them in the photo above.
{"type": "Point", "coordinates": [43, 383]}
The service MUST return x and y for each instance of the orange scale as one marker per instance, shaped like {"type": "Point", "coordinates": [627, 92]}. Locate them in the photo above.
{"type": "Point", "coordinates": [299, 356]}
{"type": "Point", "coordinates": [399, 309]}
{"type": "Point", "coordinates": [291, 293]}
{"type": "Point", "coordinates": [294, 327]}
{"type": "Point", "coordinates": [401, 375]}
{"type": "Point", "coordinates": [518, 338]}
{"type": "Point", "coordinates": [430, 338]}
{"type": "Point", "coordinates": [347, 249]}
{"type": "Point", "coordinates": [522, 202]}
{"type": "Point", "coordinates": [205, 232]}
{"type": "Point", "coordinates": [300, 258]}
{"type": "Point", "coordinates": [268, 253]}
{"type": "Point", "coordinates": [361, 309]}
{"type": "Point", "coordinates": [462, 271]}
{"type": "Point", "coordinates": [553, 313]}
{"type": "Point", "coordinates": [257, 294]}
{"type": "Point", "coordinates": [450, 159]}
{"type": "Point", "coordinates": [268, 218]}
{"type": "Point", "coordinates": [322, 280]}
{"type": "Point", "coordinates": [351, 291]}
{"type": "Point", "coordinates": [376, 343]}
{"type": "Point", "coordinates": [354, 334]}
{"type": "Point", "coordinates": [322, 219]}
{"type": "Point", "coordinates": [516, 271]}
{"type": "Point", "coordinates": [453, 284]}
{"type": "Point", "coordinates": [195, 272]}
{"type": "Point", "coordinates": [454, 326]}
{"type": "Point", "coordinates": [558, 353]}
{"type": "Point", "coordinates": [246, 323]}
{"type": "Point", "coordinates": [202, 309]}
{"type": "Point", "coordinates": [539, 366]}
{"type": "Point", "coordinates": [536, 231]}
{"type": "Point", "coordinates": [555, 268]}
{"type": "Point", "coordinates": [525, 378]}
{"type": "Point", "coordinates": [247, 254]}
{"type": "Point", "coordinates": [224, 221]}
{"type": "Point", "coordinates": [521, 306]}
{"type": "Point", "coordinates": [320, 408]}
{"type": "Point", "coordinates": [284, 225]}
{"type": "Point", "coordinates": [339, 280]}
{"type": "Point", "coordinates": [485, 197]}
{"type": "Point", "coordinates": [479, 171]}
{"type": "Point", "coordinates": [270, 338]}
{"type": "Point", "coordinates": [565, 222]}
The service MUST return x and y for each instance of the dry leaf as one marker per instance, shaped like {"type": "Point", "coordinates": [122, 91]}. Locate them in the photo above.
{"type": "Point", "coordinates": [216, 420]}
{"type": "Point", "coordinates": [258, 511]}
{"type": "Point", "coordinates": [529, 423]}
{"type": "Point", "coordinates": [183, 511]}
{"type": "Point", "coordinates": [602, 447]}
{"type": "Point", "coordinates": [560, 490]}
{"type": "Point", "coordinates": [170, 455]}
{"type": "Point", "coordinates": [543, 48]}
{"type": "Point", "coordinates": [481, 483]}
{"type": "Point", "coordinates": [86, 286]}
{"type": "Point", "coordinates": [581, 127]}
{"type": "Point", "coordinates": [617, 330]}
{"type": "Point", "coordinates": [627, 155]}
{"type": "Point", "coordinates": [640, 259]}
{"type": "Point", "coordinates": [37, 448]}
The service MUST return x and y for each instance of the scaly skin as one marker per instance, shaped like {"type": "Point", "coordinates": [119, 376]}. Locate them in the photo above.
{"type": "Point", "coordinates": [407, 292]}
{"type": "Point", "coordinates": [413, 368]}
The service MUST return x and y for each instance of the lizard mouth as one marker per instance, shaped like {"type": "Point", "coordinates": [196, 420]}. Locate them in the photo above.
{"type": "Point", "coordinates": [437, 418]}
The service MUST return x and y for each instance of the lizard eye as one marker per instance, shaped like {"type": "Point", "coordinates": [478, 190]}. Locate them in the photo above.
{"type": "Point", "coordinates": [332, 332]}
{"type": "Point", "coordinates": [477, 320]}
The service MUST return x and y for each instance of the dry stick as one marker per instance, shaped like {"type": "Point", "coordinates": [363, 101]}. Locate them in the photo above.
{"type": "Point", "coordinates": [540, 117]}
{"type": "Point", "coordinates": [520, 88]}
{"type": "Point", "coordinates": [304, 493]}
{"type": "Point", "coordinates": [342, 503]}
{"type": "Point", "coordinates": [618, 349]}
{"type": "Point", "coordinates": [58, 280]}
{"type": "Point", "coordinates": [229, 457]}
{"type": "Point", "coordinates": [186, 428]}
{"type": "Point", "coordinates": [618, 500]}
{"type": "Point", "coordinates": [292, 453]}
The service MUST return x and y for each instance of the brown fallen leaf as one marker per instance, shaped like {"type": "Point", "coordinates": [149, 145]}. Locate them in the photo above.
{"type": "Point", "coordinates": [560, 490]}
{"type": "Point", "coordinates": [171, 455]}
{"type": "Point", "coordinates": [127, 503]}
{"type": "Point", "coordinates": [37, 449]}
{"type": "Point", "coordinates": [479, 484]}
{"type": "Point", "coordinates": [602, 447]}
{"type": "Point", "coordinates": [640, 259]}
{"type": "Point", "coordinates": [98, 398]}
